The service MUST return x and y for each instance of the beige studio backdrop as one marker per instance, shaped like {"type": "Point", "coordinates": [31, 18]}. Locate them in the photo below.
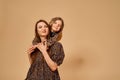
{"type": "Point", "coordinates": [91, 37]}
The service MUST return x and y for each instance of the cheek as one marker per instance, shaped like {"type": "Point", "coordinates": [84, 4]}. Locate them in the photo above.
{"type": "Point", "coordinates": [39, 31]}
{"type": "Point", "coordinates": [54, 25]}
{"type": "Point", "coordinates": [59, 28]}
{"type": "Point", "coordinates": [47, 31]}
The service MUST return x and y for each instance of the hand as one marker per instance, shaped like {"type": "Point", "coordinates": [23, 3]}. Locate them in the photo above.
{"type": "Point", "coordinates": [31, 49]}
{"type": "Point", "coordinates": [42, 46]}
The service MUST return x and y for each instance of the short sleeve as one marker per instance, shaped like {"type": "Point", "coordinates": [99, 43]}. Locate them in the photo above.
{"type": "Point", "coordinates": [58, 53]}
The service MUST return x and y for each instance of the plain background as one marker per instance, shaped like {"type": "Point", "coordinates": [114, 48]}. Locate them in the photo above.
{"type": "Point", "coordinates": [91, 37]}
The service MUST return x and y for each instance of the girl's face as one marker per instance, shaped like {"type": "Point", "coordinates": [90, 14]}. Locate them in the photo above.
{"type": "Point", "coordinates": [56, 26]}
{"type": "Point", "coordinates": [42, 29]}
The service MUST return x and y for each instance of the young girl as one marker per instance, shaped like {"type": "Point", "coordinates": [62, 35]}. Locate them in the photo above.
{"type": "Point", "coordinates": [56, 27]}
{"type": "Point", "coordinates": [44, 60]}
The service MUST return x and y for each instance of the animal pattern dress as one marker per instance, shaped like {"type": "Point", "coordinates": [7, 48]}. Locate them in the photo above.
{"type": "Point", "coordinates": [39, 70]}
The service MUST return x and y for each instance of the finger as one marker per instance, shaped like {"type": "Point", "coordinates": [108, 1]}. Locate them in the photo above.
{"type": "Point", "coordinates": [45, 43]}
{"type": "Point", "coordinates": [38, 45]}
{"type": "Point", "coordinates": [31, 48]}
{"type": "Point", "coordinates": [35, 45]}
{"type": "Point", "coordinates": [30, 51]}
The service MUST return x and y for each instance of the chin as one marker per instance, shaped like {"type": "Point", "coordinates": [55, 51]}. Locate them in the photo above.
{"type": "Point", "coordinates": [43, 35]}
{"type": "Point", "coordinates": [56, 30]}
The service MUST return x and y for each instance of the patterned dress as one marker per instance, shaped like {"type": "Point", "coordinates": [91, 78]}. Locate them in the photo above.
{"type": "Point", "coordinates": [39, 70]}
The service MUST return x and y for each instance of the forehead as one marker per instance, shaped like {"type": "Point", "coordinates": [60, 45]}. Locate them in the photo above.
{"type": "Point", "coordinates": [41, 24]}
{"type": "Point", "coordinates": [59, 21]}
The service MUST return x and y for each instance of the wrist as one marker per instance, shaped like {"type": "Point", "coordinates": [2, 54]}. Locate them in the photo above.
{"type": "Point", "coordinates": [45, 52]}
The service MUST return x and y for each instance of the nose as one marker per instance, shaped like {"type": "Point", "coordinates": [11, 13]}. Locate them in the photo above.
{"type": "Point", "coordinates": [43, 29]}
{"type": "Point", "coordinates": [58, 25]}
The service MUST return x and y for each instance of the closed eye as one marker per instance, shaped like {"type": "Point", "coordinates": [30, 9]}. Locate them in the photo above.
{"type": "Point", "coordinates": [39, 27]}
{"type": "Point", "coordinates": [45, 26]}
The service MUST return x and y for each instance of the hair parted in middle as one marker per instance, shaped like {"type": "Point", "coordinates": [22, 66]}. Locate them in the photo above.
{"type": "Point", "coordinates": [37, 37]}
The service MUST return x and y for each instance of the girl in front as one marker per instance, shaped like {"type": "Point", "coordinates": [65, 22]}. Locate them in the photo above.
{"type": "Point", "coordinates": [44, 59]}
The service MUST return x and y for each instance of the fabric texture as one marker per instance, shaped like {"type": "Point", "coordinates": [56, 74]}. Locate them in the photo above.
{"type": "Point", "coordinates": [39, 70]}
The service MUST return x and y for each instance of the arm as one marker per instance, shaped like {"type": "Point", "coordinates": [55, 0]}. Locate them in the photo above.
{"type": "Point", "coordinates": [49, 61]}
{"type": "Point", "coordinates": [29, 51]}
{"type": "Point", "coordinates": [30, 60]}
{"type": "Point", "coordinates": [53, 66]}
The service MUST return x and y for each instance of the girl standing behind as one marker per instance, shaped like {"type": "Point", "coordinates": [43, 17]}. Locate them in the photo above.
{"type": "Point", "coordinates": [56, 27]}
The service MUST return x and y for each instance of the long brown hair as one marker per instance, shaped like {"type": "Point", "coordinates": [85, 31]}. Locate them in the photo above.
{"type": "Point", "coordinates": [53, 21]}
{"type": "Point", "coordinates": [37, 39]}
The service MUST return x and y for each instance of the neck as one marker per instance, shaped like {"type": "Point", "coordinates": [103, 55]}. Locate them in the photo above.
{"type": "Point", "coordinates": [43, 39]}
{"type": "Point", "coordinates": [51, 30]}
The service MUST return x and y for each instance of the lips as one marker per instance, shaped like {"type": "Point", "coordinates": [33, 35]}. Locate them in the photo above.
{"type": "Point", "coordinates": [44, 31]}
{"type": "Point", "coordinates": [55, 28]}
